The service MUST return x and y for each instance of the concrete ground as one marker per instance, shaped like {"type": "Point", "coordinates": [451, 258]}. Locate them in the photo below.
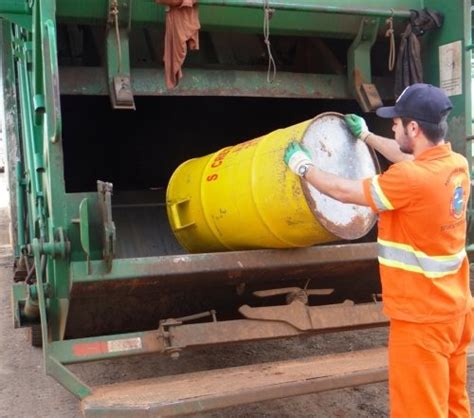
{"type": "Point", "coordinates": [25, 391]}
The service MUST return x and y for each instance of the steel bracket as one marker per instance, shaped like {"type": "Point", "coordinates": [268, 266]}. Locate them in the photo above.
{"type": "Point", "coordinates": [166, 335]}
{"type": "Point", "coordinates": [19, 49]}
{"type": "Point", "coordinates": [295, 313]}
{"type": "Point", "coordinates": [84, 230]}
{"type": "Point", "coordinates": [359, 66]}
{"type": "Point", "coordinates": [118, 57]}
{"type": "Point", "coordinates": [105, 191]}
{"type": "Point", "coordinates": [19, 295]}
{"type": "Point", "coordinates": [32, 290]}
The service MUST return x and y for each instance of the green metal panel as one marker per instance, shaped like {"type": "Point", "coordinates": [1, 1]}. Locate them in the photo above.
{"type": "Point", "coordinates": [148, 82]}
{"type": "Point", "coordinates": [460, 120]}
{"type": "Point", "coordinates": [341, 20]}
{"type": "Point", "coordinates": [14, 6]}
{"type": "Point", "coordinates": [19, 294]}
{"type": "Point", "coordinates": [455, 12]}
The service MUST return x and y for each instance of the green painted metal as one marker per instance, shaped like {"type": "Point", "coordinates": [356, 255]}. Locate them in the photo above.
{"type": "Point", "coordinates": [338, 19]}
{"type": "Point", "coordinates": [457, 27]}
{"type": "Point", "coordinates": [19, 295]}
{"type": "Point", "coordinates": [359, 51]}
{"type": "Point", "coordinates": [51, 82]}
{"type": "Point", "coordinates": [69, 380]}
{"type": "Point", "coordinates": [84, 227]}
{"type": "Point", "coordinates": [15, 6]}
{"type": "Point", "coordinates": [20, 206]}
{"type": "Point", "coordinates": [69, 351]}
{"type": "Point", "coordinates": [28, 129]}
{"type": "Point", "coordinates": [359, 68]}
{"type": "Point", "coordinates": [38, 93]}
{"type": "Point", "coordinates": [23, 21]}
{"type": "Point", "coordinates": [336, 7]}
{"type": "Point", "coordinates": [149, 82]}
{"type": "Point", "coordinates": [118, 55]}
{"type": "Point", "coordinates": [105, 190]}
{"type": "Point", "coordinates": [16, 11]}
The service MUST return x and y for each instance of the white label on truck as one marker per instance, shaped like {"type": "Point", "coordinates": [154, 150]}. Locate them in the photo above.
{"type": "Point", "coordinates": [450, 68]}
{"type": "Point", "coordinates": [126, 344]}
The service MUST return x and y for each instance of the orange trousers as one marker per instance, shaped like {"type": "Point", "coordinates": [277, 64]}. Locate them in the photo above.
{"type": "Point", "coordinates": [428, 368]}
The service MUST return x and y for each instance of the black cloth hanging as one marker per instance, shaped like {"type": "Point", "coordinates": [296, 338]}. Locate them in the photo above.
{"type": "Point", "coordinates": [409, 69]}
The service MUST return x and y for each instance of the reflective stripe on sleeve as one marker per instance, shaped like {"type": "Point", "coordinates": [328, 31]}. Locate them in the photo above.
{"type": "Point", "coordinates": [405, 257]}
{"type": "Point", "coordinates": [380, 200]}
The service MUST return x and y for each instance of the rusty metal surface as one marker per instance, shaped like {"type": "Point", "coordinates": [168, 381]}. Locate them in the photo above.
{"type": "Point", "coordinates": [204, 391]}
{"type": "Point", "coordinates": [320, 264]}
{"type": "Point", "coordinates": [263, 325]}
{"type": "Point", "coordinates": [150, 82]}
{"type": "Point", "coordinates": [139, 292]}
{"type": "Point", "coordinates": [370, 96]}
{"type": "Point", "coordinates": [231, 267]}
{"type": "Point", "coordinates": [335, 150]}
{"type": "Point", "coordinates": [327, 317]}
{"type": "Point", "coordinates": [366, 94]}
{"type": "Point", "coordinates": [175, 335]}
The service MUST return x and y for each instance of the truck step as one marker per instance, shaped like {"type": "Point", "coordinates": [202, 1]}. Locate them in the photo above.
{"type": "Point", "coordinates": [209, 390]}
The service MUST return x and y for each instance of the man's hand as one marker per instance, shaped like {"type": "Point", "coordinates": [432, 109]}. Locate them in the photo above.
{"type": "Point", "coordinates": [357, 126]}
{"type": "Point", "coordinates": [297, 158]}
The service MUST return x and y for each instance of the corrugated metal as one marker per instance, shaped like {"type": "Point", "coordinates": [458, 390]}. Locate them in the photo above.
{"type": "Point", "coordinates": [143, 229]}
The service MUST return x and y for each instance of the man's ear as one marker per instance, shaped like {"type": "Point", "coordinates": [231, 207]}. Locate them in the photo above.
{"type": "Point", "coordinates": [413, 129]}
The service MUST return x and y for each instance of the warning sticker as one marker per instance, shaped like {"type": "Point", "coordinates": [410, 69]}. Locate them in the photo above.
{"type": "Point", "coordinates": [450, 68]}
{"type": "Point", "coordinates": [125, 344]}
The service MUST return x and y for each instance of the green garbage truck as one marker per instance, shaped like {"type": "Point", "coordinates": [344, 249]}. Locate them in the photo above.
{"type": "Point", "coordinates": [102, 100]}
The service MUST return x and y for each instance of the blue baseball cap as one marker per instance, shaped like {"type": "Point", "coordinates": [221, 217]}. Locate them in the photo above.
{"type": "Point", "coordinates": [419, 101]}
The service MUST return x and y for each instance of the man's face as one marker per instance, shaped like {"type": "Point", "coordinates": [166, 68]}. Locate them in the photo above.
{"type": "Point", "coordinates": [404, 141]}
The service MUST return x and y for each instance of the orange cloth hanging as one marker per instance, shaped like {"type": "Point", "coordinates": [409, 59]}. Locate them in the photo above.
{"type": "Point", "coordinates": [182, 32]}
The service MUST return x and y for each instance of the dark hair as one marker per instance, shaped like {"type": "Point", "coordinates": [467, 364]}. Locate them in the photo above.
{"type": "Point", "coordinates": [435, 132]}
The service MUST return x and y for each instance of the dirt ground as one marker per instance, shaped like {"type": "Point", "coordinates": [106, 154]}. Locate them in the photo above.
{"type": "Point", "coordinates": [25, 391]}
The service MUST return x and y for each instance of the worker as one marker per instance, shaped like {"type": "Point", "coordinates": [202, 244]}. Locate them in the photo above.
{"type": "Point", "coordinates": [421, 203]}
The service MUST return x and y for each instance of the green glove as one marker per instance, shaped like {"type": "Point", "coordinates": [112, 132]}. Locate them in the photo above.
{"type": "Point", "coordinates": [297, 158]}
{"type": "Point", "coordinates": [357, 126]}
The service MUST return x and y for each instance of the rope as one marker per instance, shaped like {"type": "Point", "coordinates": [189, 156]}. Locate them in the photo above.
{"type": "Point", "coordinates": [391, 35]}
{"type": "Point", "coordinates": [114, 13]}
{"type": "Point", "coordinates": [268, 13]}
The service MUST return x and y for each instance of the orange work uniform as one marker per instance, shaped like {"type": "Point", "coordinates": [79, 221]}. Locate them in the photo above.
{"type": "Point", "coordinates": [425, 281]}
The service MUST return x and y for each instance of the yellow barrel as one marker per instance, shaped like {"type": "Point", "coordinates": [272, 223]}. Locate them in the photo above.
{"type": "Point", "coordinates": [244, 196]}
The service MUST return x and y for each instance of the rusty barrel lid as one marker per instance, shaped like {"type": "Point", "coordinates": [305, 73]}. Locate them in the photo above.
{"type": "Point", "coordinates": [334, 149]}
